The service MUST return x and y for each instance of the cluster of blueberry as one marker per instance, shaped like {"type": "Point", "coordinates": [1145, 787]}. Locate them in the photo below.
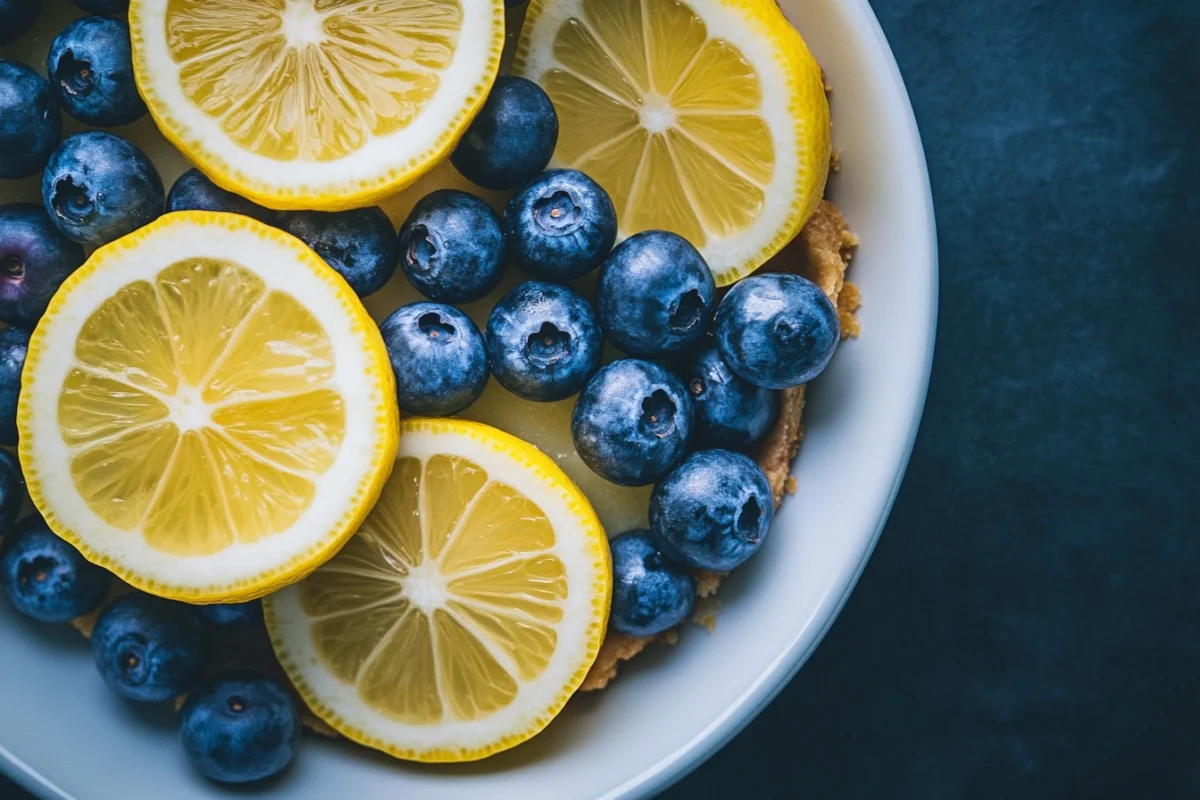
{"type": "Point", "coordinates": [235, 727]}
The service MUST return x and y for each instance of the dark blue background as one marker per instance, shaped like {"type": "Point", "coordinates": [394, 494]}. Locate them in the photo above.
{"type": "Point", "coordinates": [1028, 624]}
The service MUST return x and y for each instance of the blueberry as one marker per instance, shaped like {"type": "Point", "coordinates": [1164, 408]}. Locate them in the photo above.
{"type": "Point", "coordinates": [14, 345]}
{"type": "Point", "coordinates": [655, 295]}
{"type": "Point", "coordinates": [12, 490]}
{"type": "Point", "coordinates": [438, 356]}
{"type": "Point", "coordinates": [359, 244]}
{"type": "Point", "coordinates": [34, 261]}
{"type": "Point", "coordinates": [713, 511]}
{"type": "Point", "coordinates": [193, 191]}
{"type": "Point", "coordinates": [147, 648]}
{"type": "Point", "coordinates": [234, 614]}
{"type": "Point", "coordinates": [107, 7]}
{"type": "Point", "coordinates": [631, 423]}
{"type": "Point", "coordinates": [16, 17]}
{"type": "Point", "coordinates": [45, 577]}
{"type": "Point", "coordinates": [99, 187]}
{"type": "Point", "coordinates": [730, 411]}
{"type": "Point", "coordinates": [30, 120]}
{"type": "Point", "coordinates": [91, 68]}
{"type": "Point", "coordinates": [511, 139]}
{"type": "Point", "coordinates": [240, 728]}
{"type": "Point", "coordinates": [560, 225]}
{"type": "Point", "coordinates": [543, 342]}
{"type": "Point", "coordinates": [451, 247]}
{"type": "Point", "coordinates": [651, 593]}
{"type": "Point", "coordinates": [777, 330]}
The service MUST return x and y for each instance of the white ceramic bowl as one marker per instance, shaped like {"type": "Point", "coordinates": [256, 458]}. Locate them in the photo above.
{"type": "Point", "coordinates": [64, 735]}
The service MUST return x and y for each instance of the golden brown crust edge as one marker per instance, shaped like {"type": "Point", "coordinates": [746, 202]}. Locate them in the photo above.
{"type": "Point", "coordinates": [821, 253]}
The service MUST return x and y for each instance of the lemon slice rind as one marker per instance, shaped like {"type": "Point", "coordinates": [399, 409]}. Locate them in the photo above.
{"type": "Point", "coordinates": [380, 168]}
{"type": "Point", "coordinates": [345, 492]}
{"type": "Point", "coordinates": [580, 544]}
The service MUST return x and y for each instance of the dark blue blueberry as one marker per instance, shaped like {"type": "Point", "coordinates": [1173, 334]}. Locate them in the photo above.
{"type": "Point", "coordinates": [632, 421]}
{"type": "Point", "coordinates": [30, 120]}
{"type": "Point", "coordinates": [14, 345]}
{"type": "Point", "coordinates": [777, 330]}
{"type": "Point", "coordinates": [651, 593]}
{"type": "Point", "coordinates": [99, 187]}
{"type": "Point", "coordinates": [45, 577]}
{"type": "Point", "coordinates": [12, 490]}
{"type": "Point", "coordinates": [438, 356]}
{"type": "Point", "coordinates": [560, 225]}
{"type": "Point", "coordinates": [713, 511]}
{"type": "Point", "coordinates": [34, 261]}
{"type": "Point", "coordinates": [655, 295]}
{"type": "Point", "coordinates": [193, 191]}
{"type": "Point", "coordinates": [16, 17]}
{"type": "Point", "coordinates": [730, 411]}
{"type": "Point", "coordinates": [359, 244]}
{"type": "Point", "coordinates": [240, 728]}
{"type": "Point", "coordinates": [91, 68]}
{"type": "Point", "coordinates": [513, 3]}
{"type": "Point", "coordinates": [236, 614]}
{"type": "Point", "coordinates": [106, 7]}
{"type": "Point", "coordinates": [147, 648]}
{"type": "Point", "coordinates": [543, 342]}
{"type": "Point", "coordinates": [451, 247]}
{"type": "Point", "coordinates": [511, 139]}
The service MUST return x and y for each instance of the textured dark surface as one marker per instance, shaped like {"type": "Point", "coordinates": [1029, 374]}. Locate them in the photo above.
{"type": "Point", "coordinates": [1028, 624]}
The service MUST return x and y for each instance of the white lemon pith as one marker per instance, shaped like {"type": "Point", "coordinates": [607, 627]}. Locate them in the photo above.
{"type": "Point", "coordinates": [706, 117]}
{"type": "Point", "coordinates": [466, 610]}
{"type": "Point", "coordinates": [320, 104]}
{"type": "Point", "coordinates": [206, 409]}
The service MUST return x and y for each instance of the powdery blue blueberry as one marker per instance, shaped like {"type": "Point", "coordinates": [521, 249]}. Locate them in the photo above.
{"type": "Point", "coordinates": [451, 247]}
{"type": "Point", "coordinates": [30, 120]}
{"type": "Point", "coordinates": [12, 490]}
{"type": "Point", "coordinates": [91, 69]}
{"type": "Point", "coordinates": [655, 295]}
{"type": "Point", "coordinates": [149, 649]}
{"type": "Point", "coordinates": [99, 187]}
{"type": "Point", "coordinates": [543, 342]}
{"type": "Point", "coordinates": [240, 728]}
{"type": "Point", "coordinates": [730, 411]}
{"type": "Point", "coordinates": [45, 577]}
{"type": "Point", "coordinates": [34, 261]}
{"type": "Point", "coordinates": [193, 191]}
{"type": "Point", "coordinates": [234, 614]}
{"type": "Point", "coordinates": [632, 421]}
{"type": "Point", "coordinates": [713, 511]}
{"type": "Point", "coordinates": [560, 225]}
{"type": "Point", "coordinates": [359, 244]}
{"type": "Point", "coordinates": [512, 137]}
{"type": "Point", "coordinates": [107, 7]}
{"type": "Point", "coordinates": [651, 593]}
{"type": "Point", "coordinates": [777, 330]}
{"type": "Point", "coordinates": [438, 356]}
{"type": "Point", "coordinates": [17, 17]}
{"type": "Point", "coordinates": [14, 346]}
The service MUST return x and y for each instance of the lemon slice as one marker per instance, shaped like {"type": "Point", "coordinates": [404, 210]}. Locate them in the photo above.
{"type": "Point", "coordinates": [706, 117]}
{"type": "Point", "coordinates": [324, 104]}
{"type": "Point", "coordinates": [207, 410]}
{"type": "Point", "coordinates": [466, 610]}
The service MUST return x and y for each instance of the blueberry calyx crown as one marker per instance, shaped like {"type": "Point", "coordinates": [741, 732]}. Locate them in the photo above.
{"type": "Point", "coordinates": [72, 202]}
{"type": "Point", "coordinates": [658, 414]}
{"type": "Point", "coordinates": [422, 249]}
{"type": "Point", "coordinates": [746, 522]}
{"type": "Point", "coordinates": [559, 213]}
{"type": "Point", "coordinates": [548, 345]}
{"type": "Point", "coordinates": [686, 312]}
{"type": "Point", "coordinates": [74, 75]}
{"type": "Point", "coordinates": [435, 327]}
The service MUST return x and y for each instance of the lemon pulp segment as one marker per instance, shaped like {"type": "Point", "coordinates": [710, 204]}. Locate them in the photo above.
{"type": "Point", "coordinates": [311, 79]}
{"type": "Point", "coordinates": [200, 410]}
{"type": "Point", "coordinates": [445, 600]}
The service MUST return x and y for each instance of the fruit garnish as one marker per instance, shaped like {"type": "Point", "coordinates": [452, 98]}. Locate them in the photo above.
{"type": "Point", "coordinates": [466, 610]}
{"type": "Point", "coordinates": [315, 104]}
{"type": "Point", "coordinates": [207, 409]}
{"type": "Point", "coordinates": [704, 118]}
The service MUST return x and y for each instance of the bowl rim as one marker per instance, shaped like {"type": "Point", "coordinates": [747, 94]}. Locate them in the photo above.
{"type": "Point", "coordinates": [676, 765]}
